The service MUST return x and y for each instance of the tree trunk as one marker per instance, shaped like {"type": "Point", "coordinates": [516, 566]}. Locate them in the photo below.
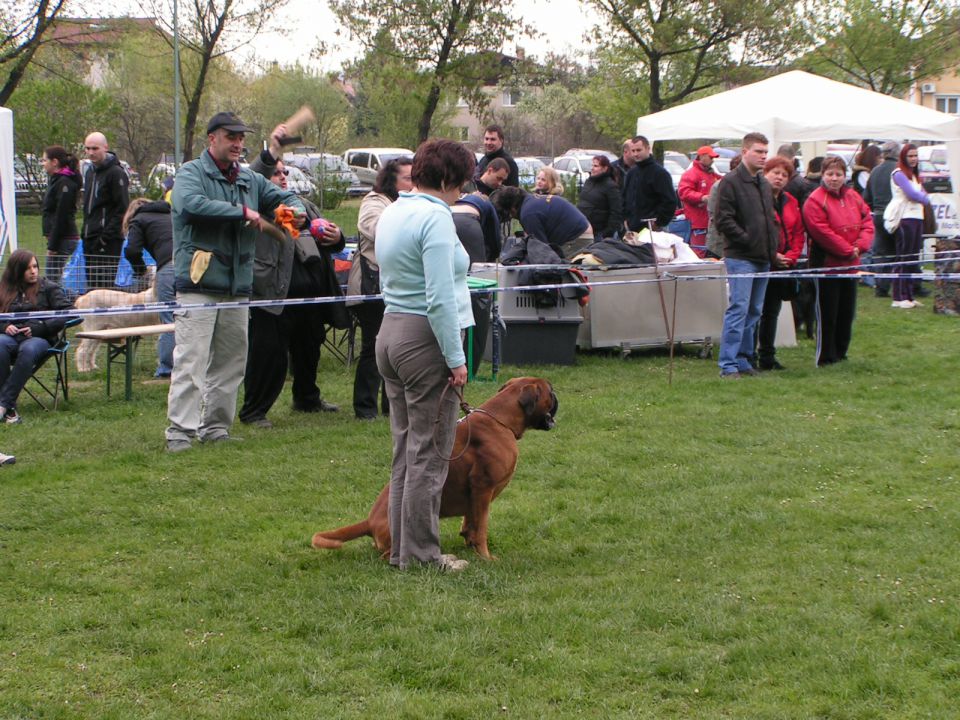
{"type": "Point", "coordinates": [193, 108]}
{"type": "Point", "coordinates": [426, 119]}
{"type": "Point", "coordinates": [16, 75]}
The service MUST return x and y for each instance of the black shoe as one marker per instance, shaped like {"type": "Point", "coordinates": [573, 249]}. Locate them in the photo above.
{"type": "Point", "coordinates": [366, 418]}
{"type": "Point", "coordinates": [771, 365]}
{"type": "Point", "coordinates": [322, 406]}
{"type": "Point", "coordinates": [882, 292]}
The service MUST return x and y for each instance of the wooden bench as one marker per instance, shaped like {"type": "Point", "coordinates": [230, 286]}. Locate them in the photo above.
{"type": "Point", "coordinates": [123, 342]}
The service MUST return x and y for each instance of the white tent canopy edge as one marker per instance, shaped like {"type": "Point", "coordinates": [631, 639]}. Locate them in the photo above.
{"type": "Point", "coordinates": [8, 198]}
{"type": "Point", "coordinates": [797, 106]}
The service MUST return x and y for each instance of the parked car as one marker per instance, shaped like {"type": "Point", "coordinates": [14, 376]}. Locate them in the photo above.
{"type": "Point", "coordinates": [676, 172]}
{"type": "Point", "coordinates": [299, 181]}
{"type": "Point", "coordinates": [577, 163]}
{"type": "Point", "coordinates": [934, 178]}
{"type": "Point", "coordinates": [366, 162]}
{"type": "Point", "coordinates": [528, 168]}
{"type": "Point", "coordinates": [332, 168]}
{"type": "Point", "coordinates": [679, 158]}
{"type": "Point", "coordinates": [936, 154]}
{"type": "Point", "coordinates": [29, 178]}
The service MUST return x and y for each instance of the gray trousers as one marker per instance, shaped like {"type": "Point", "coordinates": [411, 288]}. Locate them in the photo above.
{"type": "Point", "coordinates": [415, 375]}
{"type": "Point", "coordinates": [208, 362]}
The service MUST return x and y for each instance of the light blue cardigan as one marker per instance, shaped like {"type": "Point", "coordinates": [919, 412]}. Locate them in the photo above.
{"type": "Point", "coordinates": [423, 269]}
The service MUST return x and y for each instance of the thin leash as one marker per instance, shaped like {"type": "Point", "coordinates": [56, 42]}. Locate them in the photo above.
{"type": "Point", "coordinates": [468, 410]}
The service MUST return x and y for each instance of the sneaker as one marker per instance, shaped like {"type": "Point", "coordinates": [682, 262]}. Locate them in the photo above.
{"type": "Point", "coordinates": [902, 304]}
{"type": "Point", "coordinates": [451, 563]}
{"type": "Point", "coordinates": [7, 459]}
{"type": "Point", "coordinates": [175, 446]}
{"type": "Point", "coordinates": [916, 303]}
{"type": "Point", "coordinates": [11, 417]}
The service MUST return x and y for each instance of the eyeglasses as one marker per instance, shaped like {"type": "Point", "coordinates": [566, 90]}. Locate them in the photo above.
{"type": "Point", "coordinates": [280, 172]}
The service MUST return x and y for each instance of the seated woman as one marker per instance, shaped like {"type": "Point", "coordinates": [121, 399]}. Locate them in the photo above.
{"type": "Point", "coordinates": [549, 218]}
{"type": "Point", "coordinates": [24, 343]}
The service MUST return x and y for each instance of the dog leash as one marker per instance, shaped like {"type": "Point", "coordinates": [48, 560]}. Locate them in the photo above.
{"type": "Point", "coordinates": [468, 410]}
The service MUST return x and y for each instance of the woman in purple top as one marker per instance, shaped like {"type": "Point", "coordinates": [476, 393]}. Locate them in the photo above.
{"type": "Point", "coordinates": [906, 187]}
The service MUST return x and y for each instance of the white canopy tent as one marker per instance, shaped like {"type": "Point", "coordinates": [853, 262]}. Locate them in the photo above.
{"type": "Point", "coordinates": [797, 106]}
{"type": "Point", "coordinates": [8, 207]}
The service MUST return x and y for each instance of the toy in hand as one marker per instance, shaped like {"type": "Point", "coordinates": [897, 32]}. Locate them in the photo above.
{"type": "Point", "coordinates": [317, 226]}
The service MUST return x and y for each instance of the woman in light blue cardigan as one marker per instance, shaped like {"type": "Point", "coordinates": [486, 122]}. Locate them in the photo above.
{"type": "Point", "coordinates": [423, 278]}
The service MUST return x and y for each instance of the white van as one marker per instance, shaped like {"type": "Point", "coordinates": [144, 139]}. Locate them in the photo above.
{"type": "Point", "coordinates": [366, 162]}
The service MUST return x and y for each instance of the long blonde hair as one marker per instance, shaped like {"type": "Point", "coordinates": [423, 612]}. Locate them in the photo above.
{"type": "Point", "coordinates": [554, 186]}
{"type": "Point", "coordinates": [132, 209]}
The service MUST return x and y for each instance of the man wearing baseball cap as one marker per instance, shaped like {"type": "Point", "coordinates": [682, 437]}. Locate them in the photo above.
{"type": "Point", "coordinates": [216, 216]}
{"type": "Point", "coordinates": [694, 189]}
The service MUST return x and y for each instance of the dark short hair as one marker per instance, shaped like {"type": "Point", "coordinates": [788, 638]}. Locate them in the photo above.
{"type": "Point", "coordinates": [440, 164]}
{"type": "Point", "coordinates": [507, 202]}
{"type": "Point", "coordinates": [832, 161]}
{"type": "Point", "coordinates": [815, 165]}
{"type": "Point", "coordinates": [496, 165]}
{"type": "Point", "coordinates": [494, 128]}
{"type": "Point", "coordinates": [640, 139]}
{"type": "Point", "coordinates": [64, 158]}
{"type": "Point", "coordinates": [779, 161]}
{"type": "Point", "coordinates": [751, 139]}
{"type": "Point", "coordinates": [386, 182]}
{"type": "Point", "coordinates": [787, 150]}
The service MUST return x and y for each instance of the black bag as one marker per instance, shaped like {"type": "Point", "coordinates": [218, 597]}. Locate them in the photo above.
{"type": "Point", "coordinates": [369, 278]}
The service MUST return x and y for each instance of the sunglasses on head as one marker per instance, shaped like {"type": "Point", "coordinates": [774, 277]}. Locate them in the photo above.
{"type": "Point", "coordinates": [281, 172]}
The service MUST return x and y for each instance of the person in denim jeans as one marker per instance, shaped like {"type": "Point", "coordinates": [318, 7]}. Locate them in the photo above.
{"type": "Point", "coordinates": [745, 219]}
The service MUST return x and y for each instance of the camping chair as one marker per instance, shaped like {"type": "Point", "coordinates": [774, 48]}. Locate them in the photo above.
{"type": "Point", "coordinates": [45, 394]}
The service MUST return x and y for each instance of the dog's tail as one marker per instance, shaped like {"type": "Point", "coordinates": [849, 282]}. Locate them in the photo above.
{"type": "Point", "coordinates": [334, 539]}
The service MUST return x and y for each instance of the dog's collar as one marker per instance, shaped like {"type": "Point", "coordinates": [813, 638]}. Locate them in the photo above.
{"type": "Point", "coordinates": [498, 420]}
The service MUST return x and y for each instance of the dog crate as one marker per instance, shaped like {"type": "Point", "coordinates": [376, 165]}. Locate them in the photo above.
{"type": "Point", "coordinates": [543, 342]}
{"type": "Point", "coordinates": [532, 306]}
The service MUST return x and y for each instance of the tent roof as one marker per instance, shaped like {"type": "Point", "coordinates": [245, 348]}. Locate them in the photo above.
{"type": "Point", "coordinates": [796, 106]}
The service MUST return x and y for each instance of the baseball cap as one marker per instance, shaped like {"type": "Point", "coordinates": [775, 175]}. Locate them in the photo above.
{"type": "Point", "coordinates": [228, 121]}
{"type": "Point", "coordinates": [707, 150]}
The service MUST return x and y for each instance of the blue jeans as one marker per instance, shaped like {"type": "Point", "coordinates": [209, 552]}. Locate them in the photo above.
{"type": "Point", "coordinates": [738, 341]}
{"type": "Point", "coordinates": [165, 343]}
{"type": "Point", "coordinates": [19, 357]}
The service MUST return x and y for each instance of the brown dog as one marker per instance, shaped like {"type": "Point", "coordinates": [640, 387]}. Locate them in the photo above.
{"type": "Point", "coordinates": [478, 475]}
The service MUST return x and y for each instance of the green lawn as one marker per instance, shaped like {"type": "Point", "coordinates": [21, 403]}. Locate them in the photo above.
{"type": "Point", "coordinates": [779, 547]}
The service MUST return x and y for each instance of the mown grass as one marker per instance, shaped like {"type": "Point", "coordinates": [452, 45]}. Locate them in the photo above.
{"type": "Point", "coordinates": [783, 547]}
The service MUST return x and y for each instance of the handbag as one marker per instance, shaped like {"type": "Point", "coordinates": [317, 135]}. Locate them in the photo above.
{"type": "Point", "coordinates": [929, 220]}
{"type": "Point", "coordinates": [893, 213]}
{"type": "Point", "coordinates": [306, 249]}
{"type": "Point", "coordinates": [369, 278]}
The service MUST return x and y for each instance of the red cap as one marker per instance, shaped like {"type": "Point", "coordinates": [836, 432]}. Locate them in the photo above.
{"type": "Point", "coordinates": [707, 150]}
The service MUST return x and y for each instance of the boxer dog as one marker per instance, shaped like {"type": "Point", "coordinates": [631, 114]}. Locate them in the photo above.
{"type": "Point", "coordinates": [489, 434]}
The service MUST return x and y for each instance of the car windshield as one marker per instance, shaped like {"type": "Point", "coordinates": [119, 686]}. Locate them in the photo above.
{"type": "Point", "coordinates": [387, 157]}
{"type": "Point", "coordinates": [334, 162]}
{"type": "Point", "coordinates": [586, 164]}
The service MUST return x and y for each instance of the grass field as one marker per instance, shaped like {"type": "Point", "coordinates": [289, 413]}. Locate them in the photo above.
{"type": "Point", "coordinates": [778, 547]}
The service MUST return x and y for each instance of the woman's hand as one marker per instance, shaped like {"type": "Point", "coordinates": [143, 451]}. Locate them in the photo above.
{"type": "Point", "coordinates": [458, 376]}
{"type": "Point", "coordinates": [12, 330]}
{"type": "Point", "coordinates": [331, 234]}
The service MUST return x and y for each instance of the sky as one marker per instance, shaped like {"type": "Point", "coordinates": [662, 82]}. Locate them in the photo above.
{"type": "Point", "coordinates": [562, 22]}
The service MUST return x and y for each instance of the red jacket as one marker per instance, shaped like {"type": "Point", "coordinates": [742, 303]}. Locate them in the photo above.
{"type": "Point", "coordinates": [837, 223]}
{"type": "Point", "coordinates": [693, 190]}
{"type": "Point", "coordinates": [790, 224]}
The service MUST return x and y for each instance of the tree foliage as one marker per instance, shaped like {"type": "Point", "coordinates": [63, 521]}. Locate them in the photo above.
{"type": "Point", "coordinates": [446, 40]}
{"type": "Point", "coordinates": [23, 24]}
{"type": "Point", "coordinates": [884, 45]}
{"type": "Point", "coordinates": [210, 29]}
{"type": "Point", "coordinates": [688, 47]}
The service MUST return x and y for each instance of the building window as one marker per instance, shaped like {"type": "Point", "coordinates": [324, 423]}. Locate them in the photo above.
{"type": "Point", "coordinates": [949, 104]}
{"type": "Point", "coordinates": [511, 98]}
{"type": "Point", "coordinates": [462, 103]}
{"type": "Point", "coordinates": [463, 133]}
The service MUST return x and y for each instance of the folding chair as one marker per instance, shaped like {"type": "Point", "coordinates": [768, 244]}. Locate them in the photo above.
{"type": "Point", "coordinates": [60, 384]}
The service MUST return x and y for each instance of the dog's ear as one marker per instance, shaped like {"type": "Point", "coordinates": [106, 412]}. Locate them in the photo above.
{"type": "Point", "coordinates": [529, 398]}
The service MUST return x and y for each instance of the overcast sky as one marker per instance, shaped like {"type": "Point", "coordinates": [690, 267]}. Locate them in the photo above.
{"type": "Point", "coordinates": [562, 22]}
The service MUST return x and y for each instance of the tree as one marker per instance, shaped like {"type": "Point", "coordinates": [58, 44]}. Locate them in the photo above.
{"type": "Point", "coordinates": [23, 25]}
{"type": "Point", "coordinates": [688, 47]}
{"type": "Point", "coordinates": [211, 29]}
{"type": "Point", "coordinates": [55, 111]}
{"type": "Point", "coordinates": [885, 46]}
{"type": "Point", "coordinates": [446, 39]}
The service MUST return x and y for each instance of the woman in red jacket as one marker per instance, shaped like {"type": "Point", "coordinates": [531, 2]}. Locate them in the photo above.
{"type": "Point", "coordinates": [840, 228]}
{"type": "Point", "coordinates": [778, 171]}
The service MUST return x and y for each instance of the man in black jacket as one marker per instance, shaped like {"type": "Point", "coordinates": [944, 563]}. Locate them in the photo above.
{"type": "Point", "coordinates": [105, 200]}
{"type": "Point", "coordinates": [493, 148]}
{"type": "Point", "coordinates": [745, 218]}
{"type": "Point", "coordinates": [648, 190]}
{"type": "Point", "coordinates": [878, 195]}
